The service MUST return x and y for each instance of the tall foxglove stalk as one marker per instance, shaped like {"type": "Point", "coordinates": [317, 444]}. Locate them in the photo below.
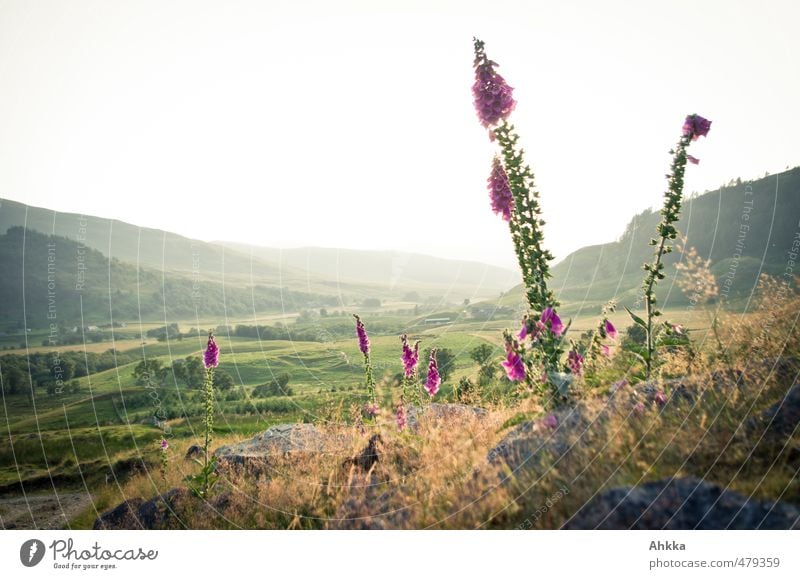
{"type": "Point", "coordinates": [163, 446]}
{"type": "Point", "coordinates": [494, 103]}
{"type": "Point", "coordinates": [202, 483]}
{"type": "Point", "coordinates": [410, 359]}
{"type": "Point", "coordinates": [433, 380]}
{"type": "Point", "coordinates": [694, 127]}
{"type": "Point", "coordinates": [514, 196]}
{"type": "Point", "coordinates": [363, 344]}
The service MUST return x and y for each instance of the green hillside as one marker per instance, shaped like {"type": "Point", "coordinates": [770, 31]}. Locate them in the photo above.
{"type": "Point", "coordinates": [51, 279]}
{"type": "Point", "coordinates": [156, 249]}
{"type": "Point", "coordinates": [335, 272]}
{"type": "Point", "coordinates": [745, 229]}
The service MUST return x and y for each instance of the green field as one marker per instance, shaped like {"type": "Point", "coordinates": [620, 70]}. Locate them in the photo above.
{"type": "Point", "coordinates": [82, 436]}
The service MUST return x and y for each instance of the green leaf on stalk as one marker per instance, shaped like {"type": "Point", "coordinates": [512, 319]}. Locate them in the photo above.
{"type": "Point", "coordinates": [636, 318]}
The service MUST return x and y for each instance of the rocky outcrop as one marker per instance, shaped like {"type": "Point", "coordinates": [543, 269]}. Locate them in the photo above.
{"type": "Point", "coordinates": [437, 412]}
{"type": "Point", "coordinates": [371, 505]}
{"type": "Point", "coordinates": [133, 514]}
{"type": "Point", "coordinates": [551, 436]}
{"type": "Point", "coordinates": [686, 503]}
{"type": "Point", "coordinates": [585, 423]}
{"type": "Point", "coordinates": [122, 517]}
{"type": "Point", "coordinates": [194, 451]}
{"type": "Point", "coordinates": [281, 441]}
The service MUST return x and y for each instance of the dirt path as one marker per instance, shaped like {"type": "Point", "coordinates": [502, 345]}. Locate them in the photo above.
{"type": "Point", "coordinates": [38, 511]}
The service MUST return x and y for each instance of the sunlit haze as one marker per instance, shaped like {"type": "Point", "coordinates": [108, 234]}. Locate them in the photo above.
{"type": "Point", "coordinates": [350, 124]}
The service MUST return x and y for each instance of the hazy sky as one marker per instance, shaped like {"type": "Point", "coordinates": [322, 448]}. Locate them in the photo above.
{"type": "Point", "coordinates": [350, 124]}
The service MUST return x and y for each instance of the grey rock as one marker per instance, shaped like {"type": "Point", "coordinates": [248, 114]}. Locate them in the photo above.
{"type": "Point", "coordinates": [436, 411]}
{"type": "Point", "coordinates": [584, 424]}
{"type": "Point", "coordinates": [122, 517]}
{"type": "Point", "coordinates": [281, 441]}
{"type": "Point", "coordinates": [134, 514]}
{"type": "Point", "coordinates": [677, 504]}
{"type": "Point", "coordinates": [194, 451]}
{"type": "Point", "coordinates": [161, 512]}
{"type": "Point", "coordinates": [371, 505]}
{"type": "Point", "coordinates": [529, 443]}
{"type": "Point", "coordinates": [676, 392]}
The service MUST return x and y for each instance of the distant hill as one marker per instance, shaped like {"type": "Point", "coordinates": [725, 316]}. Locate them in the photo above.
{"type": "Point", "coordinates": [745, 229]}
{"type": "Point", "coordinates": [51, 279]}
{"type": "Point", "coordinates": [388, 268]}
{"type": "Point", "coordinates": [343, 273]}
{"type": "Point", "coordinates": [144, 246]}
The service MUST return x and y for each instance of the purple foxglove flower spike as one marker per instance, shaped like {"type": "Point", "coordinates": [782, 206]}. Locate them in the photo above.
{"type": "Point", "coordinates": [523, 333]}
{"type": "Point", "coordinates": [410, 357]}
{"type": "Point", "coordinates": [164, 444]}
{"type": "Point", "coordinates": [550, 315]}
{"type": "Point", "coordinates": [363, 340]}
{"type": "Point", "coordinates": [611, 331]}
{"type": "Point", "coordinates": [433, 380]}
{"type": "Point", "coordinates": [500, 191]}
{"type": "Point", "coordinates": [211, 355]}
{"type": "Point", "coordinates": [372, 409]}
{"type": "Point", "coordinates": [400, 417]}
{"type": "Point", "coordinates": [493, 98]}
{"type": "Point", "coordinates": [575, 362]}
{"type": "Point", "coordinates": [660, 398]}
{"type": "Point", "coordinates": [515, 369]}
{"type": "Point", "coordinates": [696, 126]}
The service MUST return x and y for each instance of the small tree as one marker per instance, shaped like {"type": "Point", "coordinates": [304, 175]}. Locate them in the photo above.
{"type": "Point", "coordinates": [147, 372]}
{"type": "Point", "coordinates": [466, 392]}
{"type": "Point", "coordinates": [487, 374]}
{"type": "Point", "coordinates": [278, 386]}
{"type": "Point", "coordinates": [193, 372]}
{"type": "Point", "coordinates": [222, 380]}
{"type": "Point", "coordinates": [481, 354]}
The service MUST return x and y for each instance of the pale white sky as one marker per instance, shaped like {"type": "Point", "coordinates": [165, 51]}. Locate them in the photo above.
{"type": "Point", "coordinates": [350, 123]}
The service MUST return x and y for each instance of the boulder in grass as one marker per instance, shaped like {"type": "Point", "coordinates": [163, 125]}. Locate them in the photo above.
{"type": "Point", "coordinates": [372, 504]}
{"type": "Point", "coordinates": [134, 514]}
{"type": "Point", "coordinates": [194, 451]}
{"type": "Point", "coordinates": [585, 424]}
{"type": "Point", "coordinates": [553, 436]}
{"type": "Point", "coordinates": [278, 442]}
{"type": "Point", "coordinates": [438, 411]}
{"type": "Point", "coordinates": [125, 516]}
{"type": "Point", "coordinates": [680, 504]}
{"type": "Point", "coordinates": [663, 394]}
